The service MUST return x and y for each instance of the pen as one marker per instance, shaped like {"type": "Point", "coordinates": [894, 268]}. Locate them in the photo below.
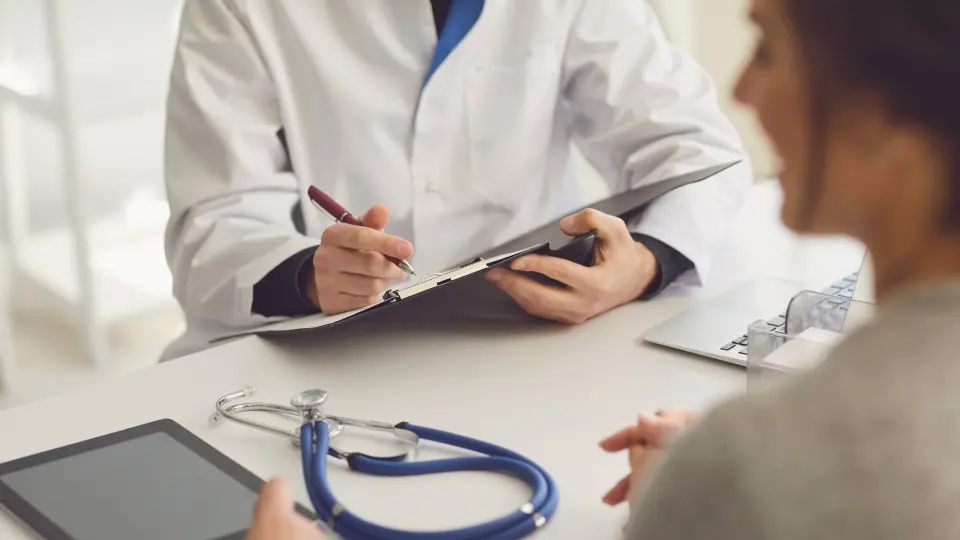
{"type": "Point", "coordinates": [340, 214]}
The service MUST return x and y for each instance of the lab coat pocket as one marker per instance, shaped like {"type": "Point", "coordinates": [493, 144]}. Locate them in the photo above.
{"type": "Point", "coordinates": [510, 113]}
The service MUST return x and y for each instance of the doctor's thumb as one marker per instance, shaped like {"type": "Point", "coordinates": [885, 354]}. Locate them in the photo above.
{"type": "Point", "coordinates": [376, 217]}
{"type": "Point", "coordinates": [607, 228]}
{"type": "Point", "coordinates": [582, 222]}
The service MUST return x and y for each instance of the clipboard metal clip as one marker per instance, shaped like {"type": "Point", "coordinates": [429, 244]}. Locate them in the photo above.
{"type": "Point", "coordinates": [435, 281]}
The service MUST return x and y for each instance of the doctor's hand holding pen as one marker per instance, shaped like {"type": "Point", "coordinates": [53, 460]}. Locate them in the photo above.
{"type": "Point", "coordinates": [644, 443]}
{"type": "Point", "coordinates": [356, 260]}
{"type": "Point", "coordinates": [622, 271]}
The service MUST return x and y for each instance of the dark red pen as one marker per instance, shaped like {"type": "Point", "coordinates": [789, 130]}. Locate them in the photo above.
{"type": "Point", "coordinates": [340, 214]}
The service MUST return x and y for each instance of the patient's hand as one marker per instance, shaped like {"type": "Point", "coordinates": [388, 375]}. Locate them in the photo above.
{"type": "Point", "coordinates": [274, 517]}
{"type": "Point", "coordinates": [644, 442]}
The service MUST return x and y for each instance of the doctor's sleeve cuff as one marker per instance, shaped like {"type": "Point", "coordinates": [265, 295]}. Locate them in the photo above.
{"type": "Point", "coordinates": [278, 294]}
{"type": "Point", "coordinates": [670, 264]}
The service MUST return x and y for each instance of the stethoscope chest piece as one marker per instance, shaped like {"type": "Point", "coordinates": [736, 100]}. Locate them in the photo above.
{"type": "Point", "coordinates": [301, 407]}
{"type": "Point", "coordinates": [309, 400]}
{"type": "Point", "coordinates": [310, 403]}
{"type": "Point", "coordinates": [307, 408]}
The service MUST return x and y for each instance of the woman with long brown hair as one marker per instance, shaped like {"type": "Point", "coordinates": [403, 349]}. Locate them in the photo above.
{"type": "Point", "coordinates": [861, 101]}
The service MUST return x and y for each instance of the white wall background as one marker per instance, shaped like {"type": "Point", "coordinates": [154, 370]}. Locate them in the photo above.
{"type": "Point", "coordinates": [118, 54]}
{"type": "Point", "coordinates": [717, 34]}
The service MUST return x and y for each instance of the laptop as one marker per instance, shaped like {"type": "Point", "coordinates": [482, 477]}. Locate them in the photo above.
{"type": "Point", "coordinates": [717, 329]}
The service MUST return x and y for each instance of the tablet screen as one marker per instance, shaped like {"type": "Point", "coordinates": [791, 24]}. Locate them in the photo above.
{"type": "Point", "coordinates": [150, 488]}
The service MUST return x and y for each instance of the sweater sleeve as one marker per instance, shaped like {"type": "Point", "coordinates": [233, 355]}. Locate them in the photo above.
{"type": "Point", "coordinates": [698, 492]}
{"type": "Point", "coordinates": [279, 293]}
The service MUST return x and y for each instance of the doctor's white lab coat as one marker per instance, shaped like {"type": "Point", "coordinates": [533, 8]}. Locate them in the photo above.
{"type": "Point", "coordinates": [478, 155]}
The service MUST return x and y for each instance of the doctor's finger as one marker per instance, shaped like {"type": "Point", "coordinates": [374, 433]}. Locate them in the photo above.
{"type": "Point", "coordinates": [376, 217]}
{"type": "Point", "coordinates": [541, 300]}
{"type": "Point", "coordinates": [562, 270]}
{"type": "Point", "coordinates": [358, 285]}
{"type": "Point", "coordinates": [608, 228]}
{"type": "Point", "coordinates": [366, 263]}
{"type": "Point", "coordinates": [367, 239]}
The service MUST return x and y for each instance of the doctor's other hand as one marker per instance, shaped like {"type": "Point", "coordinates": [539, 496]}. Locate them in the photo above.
{"type": "Point", "coordinates": [644, 443]}
{"type": "Point", "coordinates": [622, 271]}
{"type": "Point", "coordinates": [274, 517]}
{"type": "Point", "coordinates": [350, 270]}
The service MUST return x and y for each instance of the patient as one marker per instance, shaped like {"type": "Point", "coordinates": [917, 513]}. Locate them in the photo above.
{"type": "Point", "coordinates": [861, 100]}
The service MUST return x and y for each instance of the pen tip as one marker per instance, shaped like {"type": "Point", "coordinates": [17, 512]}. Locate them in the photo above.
{"type": "Point", "coordinates": [405, 266]}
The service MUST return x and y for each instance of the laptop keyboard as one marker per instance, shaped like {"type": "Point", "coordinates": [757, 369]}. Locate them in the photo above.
{"type": "Point", "coordinates": [842, 291]}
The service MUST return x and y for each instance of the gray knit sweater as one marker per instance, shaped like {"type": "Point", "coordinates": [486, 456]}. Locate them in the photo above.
{"type": "Point", "coordinates": [867, 447]}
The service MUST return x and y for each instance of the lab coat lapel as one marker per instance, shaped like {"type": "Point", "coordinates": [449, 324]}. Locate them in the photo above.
{"type": "Point", "coordinates": [463, 16]}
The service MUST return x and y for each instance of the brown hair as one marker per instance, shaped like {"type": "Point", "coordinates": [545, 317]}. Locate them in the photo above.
{"type": "Point", "coordinates": [904, 52]}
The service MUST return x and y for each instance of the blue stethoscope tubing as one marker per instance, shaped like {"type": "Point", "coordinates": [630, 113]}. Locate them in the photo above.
{"type": "Point", "coordinates": [315, 446]}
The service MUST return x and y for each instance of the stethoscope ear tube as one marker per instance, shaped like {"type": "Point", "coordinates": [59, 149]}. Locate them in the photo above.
{"type": "Point", "coordinates": [518, 524]}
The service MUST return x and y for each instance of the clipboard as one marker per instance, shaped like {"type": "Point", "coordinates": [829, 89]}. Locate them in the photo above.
{"type": "Point", "coordinates": [463, 292]}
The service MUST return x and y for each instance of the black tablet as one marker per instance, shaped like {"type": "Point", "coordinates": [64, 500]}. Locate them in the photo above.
{"type": "Point", "coordinates": [157, 481]}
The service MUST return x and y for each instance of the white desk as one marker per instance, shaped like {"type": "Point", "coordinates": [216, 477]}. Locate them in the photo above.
{"type": "Point", "coordinates": [549, 392]}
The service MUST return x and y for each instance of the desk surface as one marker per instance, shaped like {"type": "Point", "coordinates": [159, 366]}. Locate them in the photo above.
{"type": "Point", "coordinates": [549, 392]}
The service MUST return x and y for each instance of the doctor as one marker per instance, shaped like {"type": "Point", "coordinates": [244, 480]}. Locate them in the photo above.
{"type": "Point", "coordinates": [448, 125]}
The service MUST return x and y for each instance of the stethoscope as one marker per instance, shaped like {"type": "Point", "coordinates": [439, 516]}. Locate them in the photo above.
{"type": "Point", "coordinates": [314, 439]}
